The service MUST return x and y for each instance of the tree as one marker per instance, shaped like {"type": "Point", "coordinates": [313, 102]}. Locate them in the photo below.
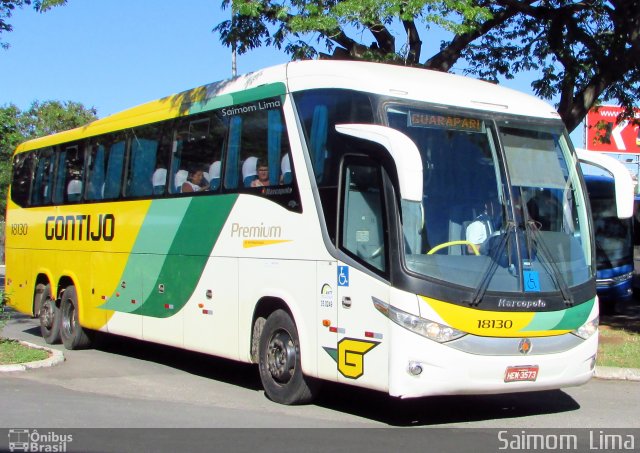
{"type": "Point", "coordinates": [39, 120]}
{"type": "Point", "coordinates": [584, 52]}
{"type": "Point", "coordinates": [7, 7]}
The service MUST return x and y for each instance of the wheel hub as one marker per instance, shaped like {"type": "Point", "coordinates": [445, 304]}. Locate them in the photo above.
{"type": "Point", "coordinates": [46, 314]}
{"type": "Point", "coordinates": [281, 357]}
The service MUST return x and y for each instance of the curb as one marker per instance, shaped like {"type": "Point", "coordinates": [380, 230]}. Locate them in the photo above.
{"type": "Point", "coordinates": [621, 374]}
{"type": "Point", "coordinates": [55, 358]}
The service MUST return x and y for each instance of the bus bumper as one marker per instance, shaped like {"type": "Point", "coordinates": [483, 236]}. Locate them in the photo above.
{"type": "Point", "coordinates": [448, 371]}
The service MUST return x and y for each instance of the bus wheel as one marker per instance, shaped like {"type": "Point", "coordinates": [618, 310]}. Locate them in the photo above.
{"type": "Point", "coordinates": [280, 366]}
{"type": "Point", "coordinates": [72, 333]}
{"type": "Point", "coordinates": [49, 315]}
{"type": "Point", "coordinates": [38, 298]}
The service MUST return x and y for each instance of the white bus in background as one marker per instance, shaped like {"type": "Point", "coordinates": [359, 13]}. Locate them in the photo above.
{"type": "Point", "coordinates": [611, 193]}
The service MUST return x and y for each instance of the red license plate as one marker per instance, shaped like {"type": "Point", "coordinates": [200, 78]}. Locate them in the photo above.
{"type": "Point", "coordinates": [521, 373]}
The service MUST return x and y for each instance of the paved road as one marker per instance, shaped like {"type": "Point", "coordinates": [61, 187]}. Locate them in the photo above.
{"type": "Point", "coordinates": [129, 383]}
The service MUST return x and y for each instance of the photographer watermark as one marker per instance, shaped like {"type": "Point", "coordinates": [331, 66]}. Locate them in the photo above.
{"type": "Point", "coordinates": [32, 440]}
{"type": "Point", "coordinates": [567, 440]}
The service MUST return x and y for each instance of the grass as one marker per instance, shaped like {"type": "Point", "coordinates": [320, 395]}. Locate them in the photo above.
{"type": "Point", "coordinates": [619, 342]}
{"type": "Point", "coordinates": [12, 351]}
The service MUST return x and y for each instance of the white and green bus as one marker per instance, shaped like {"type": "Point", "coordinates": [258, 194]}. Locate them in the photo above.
{"type": "Point", "coordinates": [408, 231]}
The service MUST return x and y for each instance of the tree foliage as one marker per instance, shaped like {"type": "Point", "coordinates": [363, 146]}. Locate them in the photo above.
{"type": "Point", "coordinates": [42, 118]}
{"type": "Point", "coordinates": [8, 7]}
{"type": "Point", "coordinates": [583, 52]}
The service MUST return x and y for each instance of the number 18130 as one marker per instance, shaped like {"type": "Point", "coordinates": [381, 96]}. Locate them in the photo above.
{"type": "Point", "coordinates": [495, 324]}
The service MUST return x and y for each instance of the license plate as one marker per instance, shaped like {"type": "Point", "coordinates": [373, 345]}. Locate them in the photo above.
{"type": "Point", "coordinates": [521, 373]}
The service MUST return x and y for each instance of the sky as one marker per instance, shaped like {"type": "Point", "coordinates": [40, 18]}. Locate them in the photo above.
{"type": "Point", "coordinates": [115, 54]}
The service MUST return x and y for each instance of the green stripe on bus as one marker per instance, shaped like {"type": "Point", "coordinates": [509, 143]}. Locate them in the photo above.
{"type": "Point", "coordinates": [241, 97]}
{"type": "Point", "coordinates": [148, 253]}
{"type": "Point", "coordinates": [188, 255]}
{"type": "Point", "coordinates": [576, 316]}
{"type": "Point", "coordinates": [544, 320]}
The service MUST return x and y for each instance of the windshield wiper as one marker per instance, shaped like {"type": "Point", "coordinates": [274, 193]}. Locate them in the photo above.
{"type": "Point", "coordinates": [495, 255]}
{"type": "Point", "coordinates": [548, 262]}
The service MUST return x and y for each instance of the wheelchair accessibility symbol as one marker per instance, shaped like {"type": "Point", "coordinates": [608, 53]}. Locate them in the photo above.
{"type": "Point", "coordinates": [343, 275]}
{"type": "Point", "coordinates": [531, 281]}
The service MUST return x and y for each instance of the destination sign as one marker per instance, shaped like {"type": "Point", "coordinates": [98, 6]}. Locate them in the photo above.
{"type": "Point", "coordinates": [440, 121]}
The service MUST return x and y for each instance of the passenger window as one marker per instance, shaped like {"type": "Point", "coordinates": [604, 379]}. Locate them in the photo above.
{"type": "Point", "coordinates": [96, 167]}
{"type": "Point", "coordinates": [42, 189]}
{"type": "Point", "coordinates": [69, 174]}
{"type": "Point", "coordinates": [22, 176]}
{"type": "Point", "coordinates": [143, 160]}
{"type": "Point", "coordinates": [197, 145]}
{"type": "Point", "coordinates": [363, 214]}
{"type": "Point", "coordinates": [258, 151]}
{"type": "Point", "coordinates": [115, 147]}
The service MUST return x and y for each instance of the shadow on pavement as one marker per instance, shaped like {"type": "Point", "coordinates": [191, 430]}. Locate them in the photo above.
{"type": "Point", "coordinates": [359, 402]}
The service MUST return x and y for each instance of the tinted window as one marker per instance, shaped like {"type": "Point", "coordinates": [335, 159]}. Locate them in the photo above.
{"type": "Point", "coordinates": [143, 155]}
{"type": "Point", "coordinates": [42, 189]}
{"type": "Point", "coordinates": [22, 175]}
{"type": "Point", "coordinates": [197, 146]}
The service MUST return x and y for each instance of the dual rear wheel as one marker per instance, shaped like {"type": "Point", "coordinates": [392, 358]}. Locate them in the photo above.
{"type": "Point", "coordinates": [59, 320]}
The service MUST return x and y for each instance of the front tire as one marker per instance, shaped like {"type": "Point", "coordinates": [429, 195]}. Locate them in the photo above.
{"type": "Point", "coordinates": [279, 362]}
{"type": "Point", "coordinates": [72, 333]}
{"type": "Point", "coordinates": [49, 315]}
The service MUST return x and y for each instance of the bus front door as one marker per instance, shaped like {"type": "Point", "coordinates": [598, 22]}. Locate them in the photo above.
{"type": "Point", "coordinates": [362, 354]}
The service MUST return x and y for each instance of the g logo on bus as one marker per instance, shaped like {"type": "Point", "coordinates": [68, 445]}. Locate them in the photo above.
{"type": "Point", "coordinates": [524, 347]}
{"type": "Point", "coordinates": [350, 356]}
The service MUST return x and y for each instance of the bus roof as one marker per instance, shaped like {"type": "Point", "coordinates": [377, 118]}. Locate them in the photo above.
{"type": "Point", "coordinates": [389, 80]}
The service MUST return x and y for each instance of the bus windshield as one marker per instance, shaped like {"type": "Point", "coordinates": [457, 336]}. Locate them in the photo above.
{"type": "Point", "coordinates": [503, 208]}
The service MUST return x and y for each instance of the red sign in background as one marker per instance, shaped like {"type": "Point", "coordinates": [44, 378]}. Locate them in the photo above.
{"type": "Point", "coordinates": [604, 133]}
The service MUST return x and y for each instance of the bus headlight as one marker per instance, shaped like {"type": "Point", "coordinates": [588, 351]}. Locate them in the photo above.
{"type": "Point", "coordinates": [424, 327]}
{"type": "Point", "coordinates": [587, 329]}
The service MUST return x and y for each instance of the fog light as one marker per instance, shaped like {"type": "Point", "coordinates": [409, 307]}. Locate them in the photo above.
{"type": "Point", "coordinates": [415, 368]}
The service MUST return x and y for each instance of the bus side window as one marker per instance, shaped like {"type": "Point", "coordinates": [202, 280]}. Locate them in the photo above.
{"type": "Point", "coordinates": [115, 162]}
{"type": "Point", "coordinates": [74, 172]}
{"type": "Point", "coordinates": [232, 164]}
{"type": "Point", "coordinates": [363, 213]}
{"type": "Point", "coordinates": [43, 178]}
{"type": "Point", "coordinates": [142, 160]}
{"type": "Point", "coordinates": [22, 177]}
{"type": "Point", "coordinates": [258, 135]}
{"type": "Point", "coordinates": [95, 171]}
{"type": "Point", "coordinates": [60, 173]}
{"type": "Point", "coordinates": [318, 139]}
{"type": "Point", "coordinates": [197, 147]}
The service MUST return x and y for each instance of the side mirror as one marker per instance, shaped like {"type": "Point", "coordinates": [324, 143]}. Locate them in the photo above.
{"type": "Point", "coordinates": [403, 151]}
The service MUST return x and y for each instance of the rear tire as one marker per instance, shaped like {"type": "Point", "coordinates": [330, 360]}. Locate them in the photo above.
{"type": "Point", "coordinates": [49, 315]}
{"type": "Point", "coordinates": [279, 362]}
{"type": "Point", "coordinates": [38, 299]}
{"type": "Point", "coordinates": [74, 336]}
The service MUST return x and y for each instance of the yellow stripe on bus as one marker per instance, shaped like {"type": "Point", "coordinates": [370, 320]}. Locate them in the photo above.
{"type": "Point", "coordinates": [491, 323]}
{"type": "Point", "coordinates": [249, 243]}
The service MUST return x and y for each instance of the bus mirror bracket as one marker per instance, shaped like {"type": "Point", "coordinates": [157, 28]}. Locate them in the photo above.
{"type": "Point", "coordinates": [402, 149]}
